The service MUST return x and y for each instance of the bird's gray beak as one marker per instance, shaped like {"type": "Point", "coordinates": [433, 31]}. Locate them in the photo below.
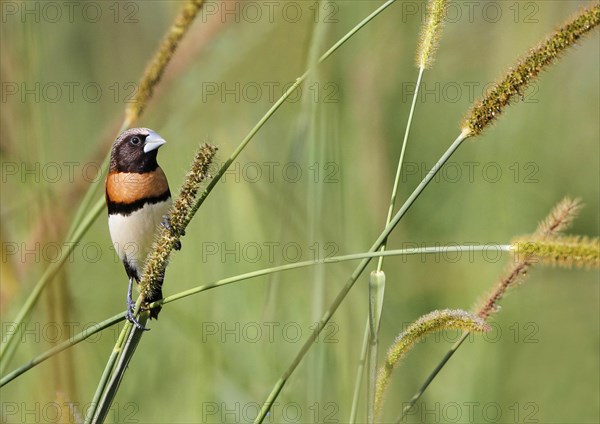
{"type": "Point", "coordinates": [153, 142]}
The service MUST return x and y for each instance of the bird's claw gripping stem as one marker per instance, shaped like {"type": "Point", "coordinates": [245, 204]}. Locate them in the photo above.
{"type": "Point", "coordinates": [131, 308]}
{"type": "Point", "coordinates": [165, 223]}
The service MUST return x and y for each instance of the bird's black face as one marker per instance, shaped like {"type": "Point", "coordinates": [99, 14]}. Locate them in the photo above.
{"type": "Point", "coordinates": [135, 150]}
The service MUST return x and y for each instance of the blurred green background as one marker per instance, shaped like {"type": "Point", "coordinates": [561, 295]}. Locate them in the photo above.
{"type": "Point", "coordinates": [314, 182]}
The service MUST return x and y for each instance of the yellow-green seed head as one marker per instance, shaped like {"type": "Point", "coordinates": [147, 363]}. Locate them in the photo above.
{"type": "Point", "coordinates": [565, 252]}
{"type": "Point", "coordinates": [560, 218]}
{"type": "Point", "coordinates": [178, 217]}
{"type": "Point", "coordinates": [516, 80]}
{"type": "Point", "coordinates": [430, 33]}
{"type": "Point", "coordinates": [455, 319]}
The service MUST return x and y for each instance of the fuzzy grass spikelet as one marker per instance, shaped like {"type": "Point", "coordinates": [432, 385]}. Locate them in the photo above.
{"type": "Point", "coordinates": [429, 37]}
{"type": "Point", "coordinates": [565, 252]}
{"type": "Point", "coordinates": [179, 217]}
{"type": "Point", "coordinates": [559, 219]}
{"type": "Point", "coordinates": [516, 81]}
{"type": "Point", "coordinates": [454, 319]}
{"type": "Point", "coordinates": [156, 68]}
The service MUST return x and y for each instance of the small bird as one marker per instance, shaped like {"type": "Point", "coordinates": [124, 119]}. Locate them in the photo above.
{"type": "Point", "coordinates": [138, 199]}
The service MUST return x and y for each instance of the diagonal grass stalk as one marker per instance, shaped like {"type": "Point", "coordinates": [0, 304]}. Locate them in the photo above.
{"type": "Point", "coordinates": [359, 371]}
{"type": "Point", "coordinates": [432, 376]}
{"type": "Point", "coordinates": [217, 177]}
{"type": "Point", "coordinates": [406, 340]}
{"type": "Point", "coordinates": [72, 341]}
{"type": "Point", "coordinates": [125, 352]}
{"type": "Point", "coordinates": [108, 369]}
{"type": "Point", "coordinates": [373, 346]}
{"type": "Point", "coordinates": [333, 259]}
{"type": "Point", "coordinates": [376, 293]}
{"type": "Point", "coordinates": [429, 39]}
{"type": "Point", "coordinates": [401, 161]}
{"type": "Point", "coordinates": [98, 407]}
{"type": "Point", "coordinates": [357, 272]}
{"type": "Point", "coordinates": [230, 280]}
{"type": "Point", "coordinates": [86, 203]}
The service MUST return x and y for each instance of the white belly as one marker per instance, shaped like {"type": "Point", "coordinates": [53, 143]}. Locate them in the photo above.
{"type": "Point", "coordinates": [133, 235]}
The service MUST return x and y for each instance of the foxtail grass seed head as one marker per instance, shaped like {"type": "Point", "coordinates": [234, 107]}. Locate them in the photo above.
{"type": "Point", "coordinates": [178, 217]}
{"type": "Point", "coordinates": [560, 218]}
{"type": "Point", "coordinates": [156, 68]}
{"type": "Point", "coordinates": [431, 31]}
{"type": "Point", "coordinates": [454, 319]}
{"type": "Point", "coordinates": [517, 79]}
{"type": "Point", "coordinates": [565, 252]}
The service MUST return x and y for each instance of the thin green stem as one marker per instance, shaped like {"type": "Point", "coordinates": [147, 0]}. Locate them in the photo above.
{"type": "Point", "coordinates": [79, 337]}
{"type": "Point", "coordinates": [133, 336]}
{"type": "Point", "coordinates": [401, 161]}
{"type": "Point", "coordinates": [371, 377]}
{"type": "Point", "coordinates": [376, 292]}
{"type": "Point", "coordinates": [334, 259]}
{"type": "Point", "coordinates": [373, 346]}
{"type": "Point", "coordinates": [99, 401]}
{"type": "Point", "coordinates": [92, 189]}
{"type": "Point", "coordinates": [102, 384]}
{"type": "Point", "coordinates": [357, 272]}
{"type": "Point", "coordinates": [432, 376]}
{"type": "Point", "coordinates": [279, 102]}
{"type": "Point", "coordinates": [86, 202]}
{"type": "Point", "coordinates": [359, 373]}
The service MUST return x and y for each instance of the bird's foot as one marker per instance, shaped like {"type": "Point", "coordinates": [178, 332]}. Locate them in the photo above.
{"type": "Point", "coordinates": [131, 308]}
{"type": "Point", "coordinates": [165, 223]}
{"type": "Point", "coordinates": [134, 321]}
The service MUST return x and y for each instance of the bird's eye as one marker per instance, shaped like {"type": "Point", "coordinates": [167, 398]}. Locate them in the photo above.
{"type": "Point", "coordinates": [135, 141]}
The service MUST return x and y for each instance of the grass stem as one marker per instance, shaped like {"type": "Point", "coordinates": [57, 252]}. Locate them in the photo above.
{"type": "Point", "coordinates": [178, 296]}
{"type": "Point", "coordinates": [357, 272]}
